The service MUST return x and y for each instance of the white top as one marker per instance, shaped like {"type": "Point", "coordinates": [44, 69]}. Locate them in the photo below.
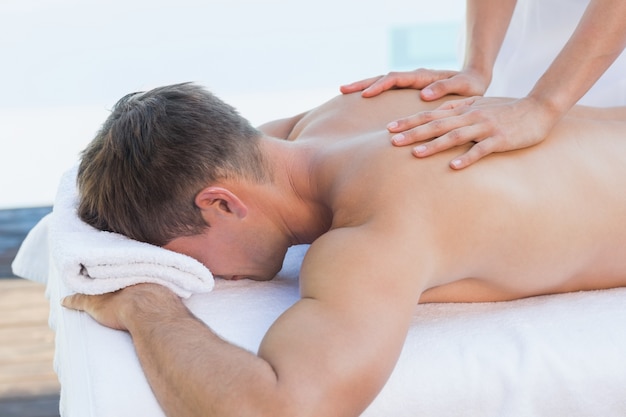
{"type": "Point", "coordinates": [538, 31]}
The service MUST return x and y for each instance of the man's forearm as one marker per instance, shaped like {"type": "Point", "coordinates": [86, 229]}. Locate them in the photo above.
{"type": "Point", "coordinates": [598, 40]}
{"type": "Point", "coordinates": [192, 372]}
{"type": "Point", "coordinates": [487, 22]}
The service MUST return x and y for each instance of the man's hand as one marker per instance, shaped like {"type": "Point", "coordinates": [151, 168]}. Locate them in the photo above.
{"type": "Point", "coordinates": [433, 83]}
{"type": "Point", "coordinates": [113, 309]}
{"type": "Point", "coordinates": [494, 124]}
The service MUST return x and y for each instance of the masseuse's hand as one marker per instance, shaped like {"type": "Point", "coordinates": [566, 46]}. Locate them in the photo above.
{"type": "Point", "coordinates": [494, 124]}
{"type": "Point", "coordinates": [116, 310]}
{"type": "Point", "coordinates": [433, 84]}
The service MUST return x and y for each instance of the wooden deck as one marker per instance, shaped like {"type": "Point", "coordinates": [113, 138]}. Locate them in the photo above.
{"type": "Point", "coordinates": [28, 384]}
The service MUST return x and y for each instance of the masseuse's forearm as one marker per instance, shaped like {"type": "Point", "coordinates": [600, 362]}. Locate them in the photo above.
{"type": "Point", "coordinates": [192, 372]}
{"type": "Point", "coordinates": [598, 40]}
{"type": "Point", "coordinates": [486, 24]}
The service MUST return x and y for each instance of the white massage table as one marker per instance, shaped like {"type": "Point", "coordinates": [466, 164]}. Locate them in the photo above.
{"type": "Point", "coordinates": [562, 355]}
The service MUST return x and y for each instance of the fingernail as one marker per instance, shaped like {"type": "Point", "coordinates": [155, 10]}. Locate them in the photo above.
{"type": "Point", "coordinates": [456, 163]}
{"type": "Point", "coordinates": [427, 92]}
{"type": "Point", "coordinates": [420, 149]}
{"type": "Point", "coordinates": [397, 138]}
{"type": "Point", "coordinates": [392, 125]}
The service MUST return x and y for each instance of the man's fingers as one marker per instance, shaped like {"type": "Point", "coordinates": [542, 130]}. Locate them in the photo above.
{"type": "Point", "coordinates": [101, 308]}
{"type": "Point", "coordinates": [84, 302]}
{"type": "Point", "coordinates": [75, 302]}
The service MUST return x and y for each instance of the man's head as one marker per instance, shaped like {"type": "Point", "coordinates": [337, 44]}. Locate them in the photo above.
{"type": "Point", "coordinates": [153, 155]}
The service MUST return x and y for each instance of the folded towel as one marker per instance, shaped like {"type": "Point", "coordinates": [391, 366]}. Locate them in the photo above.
{"type": "Point", "coordinates": [32, 260]}
{"type": "Point", "coordinates": [95, 262]}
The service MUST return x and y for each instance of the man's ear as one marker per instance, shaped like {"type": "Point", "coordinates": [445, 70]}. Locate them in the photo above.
{"type": "Point", "coordinates": [221, 201]}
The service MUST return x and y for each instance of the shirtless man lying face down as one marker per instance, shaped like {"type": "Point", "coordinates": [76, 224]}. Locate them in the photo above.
{"type": "Point", "coordinates": [178, 168]}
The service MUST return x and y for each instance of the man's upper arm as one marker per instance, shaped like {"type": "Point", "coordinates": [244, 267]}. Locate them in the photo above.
{"type": "Point", "coordinates": [281, 128]}
{"type": "Point", "coordinates": [334, 349]}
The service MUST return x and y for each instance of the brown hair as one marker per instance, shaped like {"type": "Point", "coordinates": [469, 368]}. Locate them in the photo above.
{"type": "Point", "coordinates": [154, 153]}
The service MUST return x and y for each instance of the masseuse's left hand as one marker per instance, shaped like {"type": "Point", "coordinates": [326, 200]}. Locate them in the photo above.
{"type": "Point", "coordinates": [494, 124]}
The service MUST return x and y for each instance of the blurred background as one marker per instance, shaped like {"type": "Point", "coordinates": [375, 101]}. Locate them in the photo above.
{"type": "Point", "coordinates": [66, 62]}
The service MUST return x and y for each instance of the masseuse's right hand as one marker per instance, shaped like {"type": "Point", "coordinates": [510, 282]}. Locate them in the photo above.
{"type": "Point", "coordinates": [433, 84]}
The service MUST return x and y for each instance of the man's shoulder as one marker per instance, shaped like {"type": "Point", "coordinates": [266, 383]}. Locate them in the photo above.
{"type": "Point", "coordinates": [361, 259]}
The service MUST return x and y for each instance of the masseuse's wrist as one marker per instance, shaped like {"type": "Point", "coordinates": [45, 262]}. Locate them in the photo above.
{"type": "Point", "coordinates": [480, 74]}
{"type": "Point", "coordinates": [480, 64]}
{"type": "Point", "coordinates": [549, 107]}
{"type": "Point", "coordinates": [552, 96]}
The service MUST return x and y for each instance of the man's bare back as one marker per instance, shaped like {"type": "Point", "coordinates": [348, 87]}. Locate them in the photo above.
{"type": "Point", "coordinates": [543, 220]}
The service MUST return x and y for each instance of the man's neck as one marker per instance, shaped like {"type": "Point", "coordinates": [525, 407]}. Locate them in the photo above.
{"type": "Point", "coordinates": [296, 201]}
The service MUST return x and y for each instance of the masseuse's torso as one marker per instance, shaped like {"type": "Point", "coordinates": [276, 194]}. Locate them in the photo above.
{"type": "Point", "coordinates": [541, 220]}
